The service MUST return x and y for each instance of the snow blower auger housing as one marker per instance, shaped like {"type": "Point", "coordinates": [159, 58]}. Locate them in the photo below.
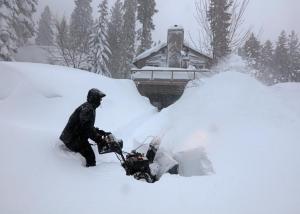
{"type": "Point", "coordinates": [134, 163]}
{"type": "Point", "coordinates": [137, 164]}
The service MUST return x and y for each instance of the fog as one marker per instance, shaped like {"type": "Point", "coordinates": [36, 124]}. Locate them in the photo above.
{"type": "Point", "coordinates": [266, 17]}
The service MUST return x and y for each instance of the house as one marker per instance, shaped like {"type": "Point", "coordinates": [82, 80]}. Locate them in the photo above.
{"type": "Point", "coordinates": [162, 72]}
{"type": "Point", "coordinates": [175, 53]}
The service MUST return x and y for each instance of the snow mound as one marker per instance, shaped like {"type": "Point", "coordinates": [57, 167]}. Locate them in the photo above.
{"type": "Point", "coordinates": [8, 83]}
{"type": "Point", "coordinates": [35, 92]}
{"type": "Point", "coordinates": [231, 111]}
{"type": "Point", "coordinates": [244, 135]}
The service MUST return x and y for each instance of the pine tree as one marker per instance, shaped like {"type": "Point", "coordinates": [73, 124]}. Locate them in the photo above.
{"type": "Point", "coordinates": [23, 22]}
{"type": "Point", "coordinates": [99, 50]}
{"type": "Point", "coordinates": [129, 34]}
{"type": "Point", "coordinates": [281, 59]}
{"type": "Point", "coordinates": [8, 35]}
{"type": "Point", "coordinates": [267, 52]}
{"type": "Point", "coordinates": [80, 28]}
{"type": "Point", "coordinates": [219, 17]}
{"type": "Point", "coordinates": [62, 43]}
{"type": "Point", "coordinates": [16, 24]}
{"type": "Point", "coordinates": [115, 39]}
{"type": "Point", "coordinates": [45, 32]}
{"type": "Point", "coordinates": [266, 62]}
{"type": "Point", "coordinates": [294, 56]}
{"type": "Point", "coordinates": [252, 51]}
{"type": "Point", "coordinates": [145, 11]}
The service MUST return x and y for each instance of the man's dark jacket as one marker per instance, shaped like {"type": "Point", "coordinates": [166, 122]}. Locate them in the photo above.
{"type": "Point", "coordinates": [80, 126]}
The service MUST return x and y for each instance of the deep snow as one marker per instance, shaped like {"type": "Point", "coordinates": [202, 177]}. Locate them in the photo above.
{"type": "Point", "coordinates": [241, 136]}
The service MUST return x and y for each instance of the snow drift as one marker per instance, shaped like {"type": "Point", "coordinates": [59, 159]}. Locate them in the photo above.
{"type": "Point", "coordinates": [244, 135]}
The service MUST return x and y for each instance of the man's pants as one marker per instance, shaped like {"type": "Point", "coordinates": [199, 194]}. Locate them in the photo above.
{"type": "Point", "coordinates": [85, 149]}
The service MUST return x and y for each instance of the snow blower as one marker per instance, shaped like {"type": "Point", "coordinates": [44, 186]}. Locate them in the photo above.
{"type": "Point", "coordinates": [135, 164]}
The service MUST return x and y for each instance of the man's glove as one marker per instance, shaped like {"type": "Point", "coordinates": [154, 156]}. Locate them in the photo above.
{"type": "Point", "coordinates": [102, 133]}
{"type": "Point", "coordinates": [107, 133]}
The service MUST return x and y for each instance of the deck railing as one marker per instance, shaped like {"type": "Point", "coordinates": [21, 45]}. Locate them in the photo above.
{"type": "Point", "coordinates": [167, 74]}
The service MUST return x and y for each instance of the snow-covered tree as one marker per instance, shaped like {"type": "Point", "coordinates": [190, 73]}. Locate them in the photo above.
{"type": "Point", "coordinates": [129, 34]}
{"type": "Point", "coordinates": [99, 50]}
{"type": "Point", "coordinates": [251, 51]}
{"type": "Point", "coordinates": [281, 58]}
{"type": "Point", "coordinates": [219, 17]}
{"type": "Point", "coordinates": [145, 11]}
{"type": "Point", "coordinates": [8, 36]}
{"type": "Point", "coordinates": [294, 56]}
{"type": "Point", "coordinates": [45, 33]}
{"type": "Point", "coordinates": [267, 62]}
{"type": "Point", "coordinates": [23, 20]}
{"type": "Point", "coordinates": [267, 52]}
{"type": "Point", "coordinates": [208, 19]}
{"type": "Point", "coordinates": [80, 29]}
{"type": "Point", "coordinates": [115, 39]}
{"type": "Point", "coordinates": [16, 25]}
{"type": "Point", "coordinates": [65, 53]}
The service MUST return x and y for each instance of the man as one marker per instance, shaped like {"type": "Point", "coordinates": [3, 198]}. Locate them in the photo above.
{"type": "Point", "coordinates": [80, 128]}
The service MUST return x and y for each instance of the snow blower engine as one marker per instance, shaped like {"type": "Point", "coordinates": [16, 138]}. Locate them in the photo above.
{"type": "Point", "coordinates": [135, 164]}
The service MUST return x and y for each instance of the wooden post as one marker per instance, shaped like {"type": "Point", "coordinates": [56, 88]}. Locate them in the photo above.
{"type": "Point", "coordinates": [131, 74]}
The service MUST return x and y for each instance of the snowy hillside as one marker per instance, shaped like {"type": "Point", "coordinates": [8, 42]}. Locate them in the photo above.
{"type": "Point", "coordinates": [237, 142]}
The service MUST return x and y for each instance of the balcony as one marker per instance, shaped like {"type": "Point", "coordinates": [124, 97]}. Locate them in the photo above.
{"type": "Point", "coordinates": [162, 85]}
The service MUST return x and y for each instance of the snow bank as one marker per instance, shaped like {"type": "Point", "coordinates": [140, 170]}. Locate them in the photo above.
{"type": "Point", "coordinates": [46, 95]}
{"type": "Point", "coordinates": [243, 132]}
{"type": "Point", "coordinates": [244, 135]}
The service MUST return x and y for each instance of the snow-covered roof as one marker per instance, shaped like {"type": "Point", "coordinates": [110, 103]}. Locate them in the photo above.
{"type": "Point", "coordinates": [158, 47]}
{"type": "Point", "coordinates": [150, 51]}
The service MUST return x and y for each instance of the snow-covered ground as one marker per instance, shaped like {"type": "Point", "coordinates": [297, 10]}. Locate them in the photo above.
{"type": "Point", "coordinates": [240, 137]}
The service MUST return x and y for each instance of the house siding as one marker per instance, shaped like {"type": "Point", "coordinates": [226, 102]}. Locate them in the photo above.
{"type": "Point", "coordinates": [189, 58]}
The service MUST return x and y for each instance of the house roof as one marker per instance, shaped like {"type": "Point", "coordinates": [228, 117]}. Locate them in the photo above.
{"type": "Point", "coordinates": [150, 51]}
{"type": "Point", "coordinates": [160, 46]}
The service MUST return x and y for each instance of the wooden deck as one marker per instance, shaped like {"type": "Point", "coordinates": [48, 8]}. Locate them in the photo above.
{"type": "Point", "coordinates": [163, 87]}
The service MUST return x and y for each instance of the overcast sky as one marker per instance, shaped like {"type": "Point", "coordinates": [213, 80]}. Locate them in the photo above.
{"type": "Point", "coordinates": [266, 17]}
